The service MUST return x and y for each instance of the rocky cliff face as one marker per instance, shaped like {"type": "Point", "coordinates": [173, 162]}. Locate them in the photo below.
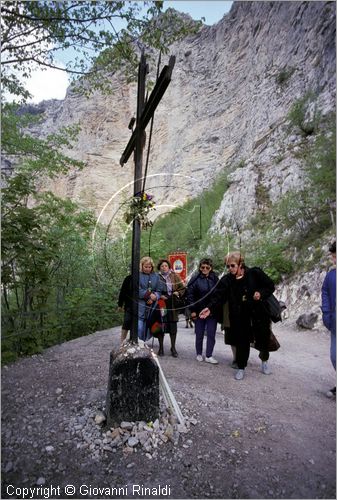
{"type": "Point", "coordinates": [225, 110]}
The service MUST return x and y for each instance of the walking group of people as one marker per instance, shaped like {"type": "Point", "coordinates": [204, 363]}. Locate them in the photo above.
{"type": "Point", "coordinates": [237, 301]}
{"type": "Point", "coordinates": [162, 295]}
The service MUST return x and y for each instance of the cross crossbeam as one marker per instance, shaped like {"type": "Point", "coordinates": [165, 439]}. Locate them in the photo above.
{"type": "Point", "coordinates": [150, 107]}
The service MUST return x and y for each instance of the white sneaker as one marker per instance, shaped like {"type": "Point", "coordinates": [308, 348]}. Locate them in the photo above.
{"type": "Point", "coordinates": [265, 368]}
{"type": "Point", "coordinates": [211, 360]}
{"type": "Point", "coordinates": [331, 393]}
{"type": "Point", "coordinates": [239, 374]}
{"type": "Point", "coordinates": [200, 358]}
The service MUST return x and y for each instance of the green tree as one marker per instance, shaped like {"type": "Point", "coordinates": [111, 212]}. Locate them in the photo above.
{"type": "Point", "coordinates": [321, 163]}
{"type": "Point", "coordinates": [305, 115]}
{"type": "Point", "coordinates": [55, 284]}
{"type": "Point", "coordinates": [104, 36]}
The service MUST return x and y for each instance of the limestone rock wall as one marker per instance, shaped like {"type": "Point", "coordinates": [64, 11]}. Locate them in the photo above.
{"type": "Point", "coordinates": [223, 110]}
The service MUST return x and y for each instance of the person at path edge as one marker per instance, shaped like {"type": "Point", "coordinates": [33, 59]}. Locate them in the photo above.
{"type": "Point", "coordinates": [125, 304]}
{"type": "Point", "coordinates": [329, 309]}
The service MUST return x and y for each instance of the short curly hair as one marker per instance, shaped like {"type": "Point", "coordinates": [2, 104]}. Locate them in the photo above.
{"type": "Point", "coordinates": [206, 261]}
{"type": "Point", "coordinates": [161, 262]}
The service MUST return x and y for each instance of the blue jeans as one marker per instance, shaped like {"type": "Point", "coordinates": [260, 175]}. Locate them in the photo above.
{"type": "Point", "coordinates": [202, 325]}
{"type": "Point", "coordinates": [143, 331]}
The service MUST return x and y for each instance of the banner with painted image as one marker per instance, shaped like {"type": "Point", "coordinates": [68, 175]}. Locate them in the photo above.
{"type": "Point", "coordinates": [178, 261]}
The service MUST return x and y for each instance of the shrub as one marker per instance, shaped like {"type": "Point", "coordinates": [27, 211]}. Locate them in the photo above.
{"type": "Point", "coordinates": [271, 257]}
{"type": "Point", "coordinates": [283, 76]}
{"type": "Point", "coordinates": [304, 114]}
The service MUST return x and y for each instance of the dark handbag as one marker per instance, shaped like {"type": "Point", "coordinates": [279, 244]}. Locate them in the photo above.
{"type": "Point", "coordinates": [180, 302]}
{"type": "Point", "coordinates": [273, 344]}
{"type": "Point", "coordinates": [155, 320]}
{"type": "Point", "coordinates": [273, 308]}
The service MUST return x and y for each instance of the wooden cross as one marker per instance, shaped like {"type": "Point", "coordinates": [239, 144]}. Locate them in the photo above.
{"type": "Point", "coordinates": [145, 111]}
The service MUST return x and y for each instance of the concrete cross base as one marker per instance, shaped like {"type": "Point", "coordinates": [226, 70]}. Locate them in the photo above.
{"type": "Point", "coordinates": [133, 386]}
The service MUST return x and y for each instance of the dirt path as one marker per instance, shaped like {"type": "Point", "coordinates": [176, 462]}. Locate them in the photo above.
{"type": "Point", "coordinates": [263, 437]}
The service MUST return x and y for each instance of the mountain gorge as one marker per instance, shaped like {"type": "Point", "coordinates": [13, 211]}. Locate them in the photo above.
{"type": "Point", "coordinates": [248, 99]}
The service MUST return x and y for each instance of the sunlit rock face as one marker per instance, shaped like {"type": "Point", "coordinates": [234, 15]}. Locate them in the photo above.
{"type": "Point", "coordinates": [225, 110]}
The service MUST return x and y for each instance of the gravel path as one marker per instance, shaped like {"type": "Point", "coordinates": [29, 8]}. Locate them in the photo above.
{"type": "Point", "coordinates": [267, 436]}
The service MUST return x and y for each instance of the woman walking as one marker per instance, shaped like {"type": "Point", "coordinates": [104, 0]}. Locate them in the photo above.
{"type": "Point", "coordinates": [173, 291]}
{"type": "Point", "coordinates": [199, 292]}
{"type": "Point", "coordinates": [245, 290]}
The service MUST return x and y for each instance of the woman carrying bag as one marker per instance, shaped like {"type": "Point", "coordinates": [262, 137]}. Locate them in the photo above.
{"type": "Point", "coordinates": [245, 289]}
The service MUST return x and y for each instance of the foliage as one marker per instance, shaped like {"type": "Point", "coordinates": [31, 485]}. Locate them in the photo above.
{"type": "Point", "coordinates": [262, 195]}
{"type": "Point", "coordinates": [270, 255]}
{"type": "Point", "coordinates": [53, 289]}
{"type": "Point", "coordinates": [104, 36]}
{"type": "Point", "coordinates": [241, 164]}
{"type": "Point", "coordinates": [301, 217]}
{"type": "Point", "coordinates": [313, 206]}
{"type": "Point", "coordinates": [304, 114]}
{"type": "Point", "coordinates": [284, 75]}
{"type": "Point", "coordinates": [216, 246]}
{"type": "Point", "coordinates": [40, 156]}
{"type": "Point", "coordinates": [321, 162]}
{"type": "Point", "coordinates": [185, 227]}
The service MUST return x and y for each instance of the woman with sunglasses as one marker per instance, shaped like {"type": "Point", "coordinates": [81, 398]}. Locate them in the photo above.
{"type": "Point", "coordinates": [199, 292]}
{"type": "Point", "coordinates": [245, 289]}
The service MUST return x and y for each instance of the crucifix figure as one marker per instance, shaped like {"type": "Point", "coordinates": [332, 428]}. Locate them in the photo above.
{"type": "Point", "coordinates": [145, 111]}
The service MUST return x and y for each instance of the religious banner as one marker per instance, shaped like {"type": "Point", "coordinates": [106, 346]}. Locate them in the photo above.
{"type": "Point", "coordinates": [178, 261]}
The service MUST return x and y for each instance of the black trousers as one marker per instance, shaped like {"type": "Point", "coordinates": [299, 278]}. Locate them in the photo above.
{"type": "Point", "coordinates": [242, 353]}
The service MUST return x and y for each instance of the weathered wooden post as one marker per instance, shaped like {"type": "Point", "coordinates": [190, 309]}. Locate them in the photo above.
{"type": "Point", "coordinates": [133, 386]}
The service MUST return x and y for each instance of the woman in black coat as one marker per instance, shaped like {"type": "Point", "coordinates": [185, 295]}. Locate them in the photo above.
{"type": "Point", "coordinates": [245, 290]}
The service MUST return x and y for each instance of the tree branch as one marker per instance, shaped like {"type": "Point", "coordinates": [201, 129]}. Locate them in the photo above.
{"type": "Point", "coordinates": [53, 66]}
{"type": "Point", "coordinates": [59, 19]}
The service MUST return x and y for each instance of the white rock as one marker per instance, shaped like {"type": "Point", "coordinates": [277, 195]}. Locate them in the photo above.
{"type": "Point", "coordinates": [40, 481]}
{"type": "Point", "coordinates": [100, 418]}
{"type": "Point", "coordinates": [182, 428]}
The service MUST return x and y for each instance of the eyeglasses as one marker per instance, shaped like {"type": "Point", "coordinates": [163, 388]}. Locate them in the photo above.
{"type": "Point", "coordinates": [231, 265]}
{"type": "Point", "coordinates": [205, 267]}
